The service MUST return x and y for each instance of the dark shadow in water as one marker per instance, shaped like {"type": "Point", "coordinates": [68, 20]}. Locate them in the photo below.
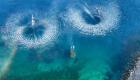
{"type": "Point", "coordinates": [91, 19]}
{"type": "Point", "coordinates": [34, 32]}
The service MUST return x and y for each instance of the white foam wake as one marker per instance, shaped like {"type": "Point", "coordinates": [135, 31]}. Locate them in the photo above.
{"type": "Point", "coordinates": [109, 15]}
{"type": "Point", "coordinates": [14, 31]}
{"type": "Point", "coordinates": [7, 62]}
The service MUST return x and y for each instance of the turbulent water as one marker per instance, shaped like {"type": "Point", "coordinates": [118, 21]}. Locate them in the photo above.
{"type": "Point", "coordinates": [68, 39]}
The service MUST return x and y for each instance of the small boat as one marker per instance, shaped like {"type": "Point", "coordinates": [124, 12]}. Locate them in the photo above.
{"type": "Point", "coordinates": [72, 52]}
{"type": "Point", "coordinates": [33, 20]}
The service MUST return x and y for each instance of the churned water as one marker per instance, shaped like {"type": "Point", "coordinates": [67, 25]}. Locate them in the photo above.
{"type": "Point", "coordinates": [68, 39]}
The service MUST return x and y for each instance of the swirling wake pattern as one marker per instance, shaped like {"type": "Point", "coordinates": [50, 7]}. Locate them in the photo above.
{"type": "Point", "coordinates": [22, 30]}
{"type": "Point", "coordinates": [98, 19]}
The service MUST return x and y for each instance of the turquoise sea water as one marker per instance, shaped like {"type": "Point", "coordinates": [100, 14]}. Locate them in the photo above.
{"type": "Point", "coordinates": [101, 54]}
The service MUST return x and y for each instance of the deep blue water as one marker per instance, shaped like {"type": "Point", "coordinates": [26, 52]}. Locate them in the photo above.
{"type": "Point", "coordinates": [102, 55]}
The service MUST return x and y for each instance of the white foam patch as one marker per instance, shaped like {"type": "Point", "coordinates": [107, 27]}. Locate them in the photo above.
{"type": "Point", "coordinates": [109, 15]}
{"type": "Point", "coordinates": [14, 32]}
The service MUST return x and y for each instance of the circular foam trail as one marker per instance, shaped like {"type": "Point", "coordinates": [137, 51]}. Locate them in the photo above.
{"type": "Point", "coordinates": [30, 30]}
{"type": "Point", "coordinates": [94, 20]}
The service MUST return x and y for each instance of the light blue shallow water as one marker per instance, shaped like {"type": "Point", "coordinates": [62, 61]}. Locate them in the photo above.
{"type": "Point", "coordinates": [103, 39]}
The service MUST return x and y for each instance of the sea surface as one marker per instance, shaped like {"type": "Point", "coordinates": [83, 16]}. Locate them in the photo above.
{"type": "Point", "coordinates": [68, 39]}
